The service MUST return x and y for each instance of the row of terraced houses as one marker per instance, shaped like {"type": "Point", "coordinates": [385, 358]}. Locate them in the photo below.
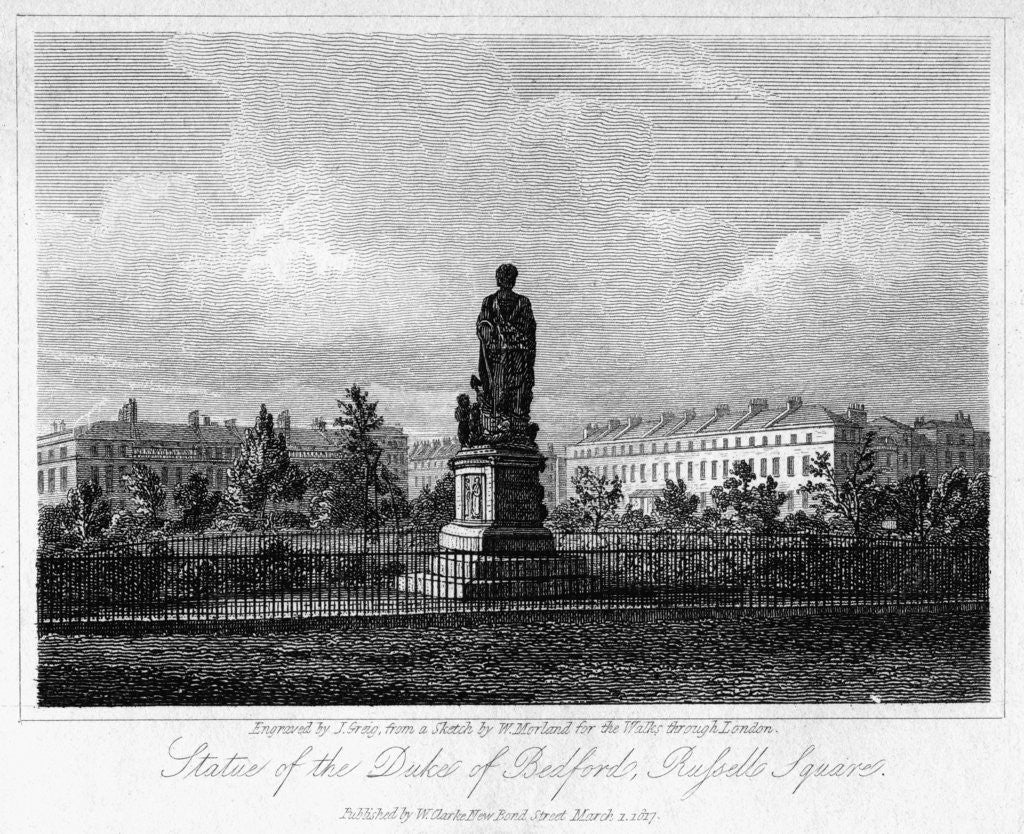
{"type": "Point", "coordinates": [700, 449]}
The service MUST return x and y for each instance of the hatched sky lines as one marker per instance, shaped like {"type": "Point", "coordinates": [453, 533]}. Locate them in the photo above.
{"type": "Point", "coordinates": [260, 216]}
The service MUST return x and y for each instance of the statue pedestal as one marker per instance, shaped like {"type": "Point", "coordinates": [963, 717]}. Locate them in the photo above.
{"type": "Point", "coordinates": [497, 546]}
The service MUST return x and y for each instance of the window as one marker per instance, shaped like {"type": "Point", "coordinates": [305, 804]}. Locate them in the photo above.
{"type": "Point", "coordinates": [949, 458]}
{"type": "Point", "coordinates": [704, 499]}
{"type": "Point", "coordinates": [110, 451]}
{"type": "Point", "coordinates": [805, 465]}
{"type": "Point", "coordinates": [689, 470]}
{"type": "Point", "coordinates": [775, 466]}
{"type": "Point", "coordinates": [665, 449]}
{"type": "Point", "coordinates": [63, 477]}
{"type": "Point", "coordinates": [904, 458]}
{"type": "Point", "coordinates": [963, 456]}
{"type": "Point", "coordinates": [49, 455]}
{"type": "Point", "coordinates": [703, 445]}
{"type": "Point", "coordinates": [641, 448]}
{"type": "Point", "coordinates": [792, 439]}
{"type": "Point", "coordinates": [725, 468]}
{"type": "Point", "coordinates": [714, 444]}
{"type": "Point", "coordinates": [108, 477]}
{"type": "Point", "coordinates": [220, 478]}
{"type": "Point", "coordinates": [50, 485]}
{"type": "Point", "coordinates": [703, 470]}
{"type": "Point", "coordinates": [575, 452]}
{"type": "Point", "coordinates": [679, 446]}
{"type": "Point", "coordinates": [921, 462]}
{"type": "Point", "coordinates": [39, 457]}
{"type": "Point", "coordinates": [714, 470]}
{"type": "Point", "coordinates": [888, 460]}
{"type": "Point", "coordinates": [665, 471]}
{"type": "Point", "coordinates": [94, 451]}
{"type": "Point", "coordinates": [962, 440]}
{"type": "Point", "coordinates": [764, 440]}
{"type": "Point", "coordinates": [791, 466]}
{"type": "Point", "coordinates": [63, 452]}
{"type": "Point", "coordinates": [632, 473]}
{"type": "Point", "coordinates": [124, 451]}
{"type": "Point", "coordinates": [752, 441]}
{"type": "Point", "coordinates": [615, 471]}
{"type": "Point", "coordinates": [807, 437]}
{"type": "Point", "coordinates": [679, 467]}
{"type": "Point", "coordinates": [163, 475]}
{"type": "Point", "coordinates": [177, 475]}
{"type": "Point", "coordinates": [764, 467]}
{"type": "Point", "coordinates": [725, 442]}
{"type": "Point", "coordinates": [843, 460]}
{"type": "Point", "coordinates": [949, 440]}
{"type": "Point", "coordinates": [804, 499]}
{"type": "Point", "coordinates": [631, 448]}
{"type": "Point", "coordinates": [789, 500]}
{"type": "Point", "coordinates": [689, 446]}
{"type": "Point", "coordinates": [121, 472]}
{"type": "Point", "coordinates": [94, 474]}
{"type": "Point", "coordinates": [654, 471]}
{"type": "Point", "coordinates": [778, 440]}
{"type": "Point", "coordinates": [42, 479]}
{"type": "Point", "coordinates": [216, 453]}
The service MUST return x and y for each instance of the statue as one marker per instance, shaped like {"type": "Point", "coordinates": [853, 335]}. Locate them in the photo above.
{"type": "Point", "coordinates": [503, 383]}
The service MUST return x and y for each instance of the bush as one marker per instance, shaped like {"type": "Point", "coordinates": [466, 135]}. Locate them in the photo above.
{"type": "Point", "coordinates": [290, 519]}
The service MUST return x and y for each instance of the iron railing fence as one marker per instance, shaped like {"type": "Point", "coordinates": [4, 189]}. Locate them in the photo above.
{"type": "Point", "coordinates": [339, 573]}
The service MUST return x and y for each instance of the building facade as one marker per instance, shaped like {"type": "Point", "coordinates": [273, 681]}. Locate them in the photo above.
{"type": "Point", "coordinates": [106, 450]}
{"type": "Point", "coordinates": [699, 449]}
{"type": "Point", "coordinates": [428, 463]}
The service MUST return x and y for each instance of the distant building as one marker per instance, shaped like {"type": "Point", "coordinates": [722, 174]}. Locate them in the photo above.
{"type": "Point", "coordinates": [699, 450]}
{"type": "Point", "coordinates": [106, 450]}
{"type": "Point", "coordinates": [428, 463]}
{"type": "Point", "coordinates": [553, 478]}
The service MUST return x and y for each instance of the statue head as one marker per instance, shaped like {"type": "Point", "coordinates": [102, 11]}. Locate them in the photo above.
{"type": "Point", "coordinates": [506, 276]}
{"type": "Point", "coordinates": [462, 400]}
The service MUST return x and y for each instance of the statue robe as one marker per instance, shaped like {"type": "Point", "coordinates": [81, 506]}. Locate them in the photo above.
{"type": "Point", "coordinates": [508, 347]}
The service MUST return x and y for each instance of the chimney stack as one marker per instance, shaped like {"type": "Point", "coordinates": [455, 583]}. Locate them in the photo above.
{"type": "Point", "coordinates": [193, 418]}
{"type": "Point", "coordinates": [206, 419]}
{"type": "Point", "coordinates": [231, 423]}
{"type": "Point", "coordinates": [757, 405]}
{"type": "Point", "coordinates": [858, 414]}
{"type": "Point", "coordinates": [793, 403]}
{"type": "Point", "coordinates": [721, 410]}
{"type": "Point", "coordinates": [53, 426]}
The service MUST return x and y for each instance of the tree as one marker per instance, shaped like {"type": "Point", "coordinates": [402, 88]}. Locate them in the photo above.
{"type": "Point", "coordinates": [147, 494]}
{"type": "Point", "coordinates": [598, 495]}
{"type": "Point", "coordinates": [634, 520]}
{"type": "Point", "coordinates": [741, 503]}
{"type": "Point", "coordinates": [89, 511]}
{"type": "Point", "coordinates": [856, 499]}
{"type": "Point", "coordinates": [908, 500]}
{"type": "Point", "coordinates": [197, 504]}
{"type": "Point", "coordinates": [394, 504]}
{"type": "Point", "coordinates": [676, 508]}
{"type": "Point", "coordinates": [263, 471]}
{"type": "Point", "coordinates": [959, 505]}
{"type": "Point", "coordinates": [435, 506]}
{"type": "Point", "coordinates": [359, 422]}
{"type": "Point", "coordinates": [567, 517]}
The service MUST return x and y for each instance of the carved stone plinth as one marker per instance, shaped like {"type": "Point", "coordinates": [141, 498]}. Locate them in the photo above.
{"type": "Point", "coordinates": [497, 546]}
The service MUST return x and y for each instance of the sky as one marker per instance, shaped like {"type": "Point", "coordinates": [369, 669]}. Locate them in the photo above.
{"type": "Point", "coordinates": [230, 219]}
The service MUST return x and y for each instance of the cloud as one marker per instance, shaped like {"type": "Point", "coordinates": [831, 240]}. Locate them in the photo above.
{"type": "Point", "coordinates": [688, 63]}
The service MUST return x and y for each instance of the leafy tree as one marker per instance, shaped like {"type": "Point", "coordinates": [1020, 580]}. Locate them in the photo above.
{"type": "Point", "coordinates": [393, 504]}
{"type": "Point", "coordinates": [676, 508]}
{"type": "Point", "coordinates": [89, 511]}
{"type": "Point", "coordinates": [435, 506]}
{"type": "Point", "coordinates": [147, 494]}
{"type": "Point", "coordinates": [339, 500]}
{"type": "Point", "coordinates": [598, 495]}
{"type": "Point", "coordinates": [359, 422]}
{"type": "Point", "coordinates": [55, 525]}
{"type": "Point", "coordinates": [567, 517]}
{"type": "Point", "coordinates": [856, 500]}
{"type": "Point", "coordinates": [908, 500]}
{"type": "Point", "coordinates": [634, 520]}
{"type": "Point", "coordinates": [263, 471]}
{"type": "Point", "coordinates": [197, 504]}
{"type": "Point", "coordinates": [959, 505]}
{"type": "Point", "coordinates": [739, 502]}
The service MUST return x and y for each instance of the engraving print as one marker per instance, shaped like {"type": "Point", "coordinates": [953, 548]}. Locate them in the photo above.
{"type": "Point", "coordinates": [712, 314]}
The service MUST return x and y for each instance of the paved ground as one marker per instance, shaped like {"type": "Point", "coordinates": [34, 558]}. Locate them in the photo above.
{"type": "Point", "coordinates": [855, 658]}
